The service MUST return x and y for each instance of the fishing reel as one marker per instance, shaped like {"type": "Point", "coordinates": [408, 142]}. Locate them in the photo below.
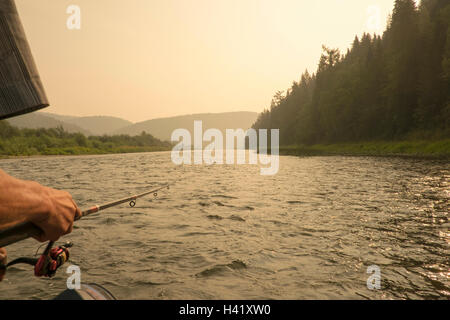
{"type": "Point", "coordinates": [49, 262]}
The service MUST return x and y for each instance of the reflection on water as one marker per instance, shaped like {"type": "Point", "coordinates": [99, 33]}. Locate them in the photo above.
{"type": "Point", "coordinates": [226, 232]}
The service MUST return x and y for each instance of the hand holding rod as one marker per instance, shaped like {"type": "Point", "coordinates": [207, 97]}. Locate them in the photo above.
{"type": "Point", "coordinates": [28, 230]}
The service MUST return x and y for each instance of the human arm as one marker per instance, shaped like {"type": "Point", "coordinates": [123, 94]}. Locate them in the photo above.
{"type": "Point", "coordinates": [53, 211]}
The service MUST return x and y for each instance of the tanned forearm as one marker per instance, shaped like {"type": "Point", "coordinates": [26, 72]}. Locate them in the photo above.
{"type": "Point", "coordinates": [26, 201]}
{"type": "Point", "coordinates": [19, 200]}
{"type": "Point", "coordinates": [53, 211]}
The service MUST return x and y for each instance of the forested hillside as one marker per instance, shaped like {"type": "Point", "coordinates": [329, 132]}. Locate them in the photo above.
{"type": "Point", "coordinates": [41, 120]}
{"type": "Point", "coordinates": [388, 87]}
{"type": "Point", "coordinates": [97, 125]}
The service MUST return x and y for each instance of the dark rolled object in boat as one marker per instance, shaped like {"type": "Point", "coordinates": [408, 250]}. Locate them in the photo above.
{"type": "Point", "coordinates": [86, 292]}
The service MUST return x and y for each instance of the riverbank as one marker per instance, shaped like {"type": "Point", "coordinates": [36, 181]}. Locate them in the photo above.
{"type": "Point", "coordinates": [421, 149]}
{"type": "Point", "coordinates": [15, 142]}
{"type": "Point", "coordinates": [79, 151]}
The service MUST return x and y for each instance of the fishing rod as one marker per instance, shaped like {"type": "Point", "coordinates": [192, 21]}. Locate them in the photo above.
{"type": "Point", "coordinates": [28, 230]}
{"type": "Point", "coordinates": [53, 258]}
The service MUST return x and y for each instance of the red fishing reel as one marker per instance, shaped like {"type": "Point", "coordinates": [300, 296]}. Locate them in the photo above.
{"type": "Point", "coordinates": [49, 261]}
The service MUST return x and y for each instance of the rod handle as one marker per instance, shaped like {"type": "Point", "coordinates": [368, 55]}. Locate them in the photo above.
{"type": "Point", "coordinates": [18, 233]}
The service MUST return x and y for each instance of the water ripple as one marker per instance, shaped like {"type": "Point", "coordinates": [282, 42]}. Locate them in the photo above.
{"type": "Point", "coordinates": [310, 232]}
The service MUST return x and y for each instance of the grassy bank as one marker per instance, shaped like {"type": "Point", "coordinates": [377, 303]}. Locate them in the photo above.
{"type": "Point", "coordinates": [422, 149]}
{"type": "Point", "coordinates": [16, 142]}
{"type": "Point", "coordinates": [83, 151]}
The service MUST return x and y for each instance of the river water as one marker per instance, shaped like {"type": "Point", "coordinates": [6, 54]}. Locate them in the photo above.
{"type": "Point", "coordinates": [226, 232]}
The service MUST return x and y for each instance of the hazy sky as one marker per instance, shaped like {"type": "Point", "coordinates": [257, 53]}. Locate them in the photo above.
{"type": "Point", "coordinates": [143, 59]}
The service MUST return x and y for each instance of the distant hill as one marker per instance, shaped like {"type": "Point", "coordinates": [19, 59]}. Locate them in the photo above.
{"type": "Point", "coordinates": [97, 125]}
{"type": "Point", "coordinates": [162, 128]}
{"type": "Point", "coordinates": [38, 120]}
